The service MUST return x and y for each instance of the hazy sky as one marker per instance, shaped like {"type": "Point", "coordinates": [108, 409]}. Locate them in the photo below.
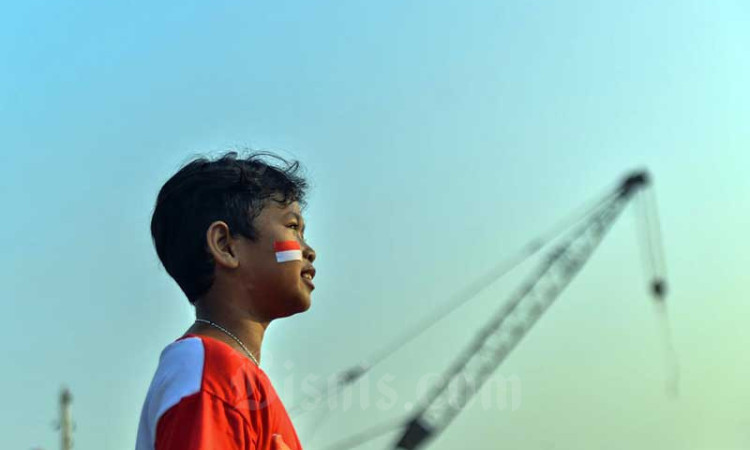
{"type": "Point", "coordinates": [439, 138]}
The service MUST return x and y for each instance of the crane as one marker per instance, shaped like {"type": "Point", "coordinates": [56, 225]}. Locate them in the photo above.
{"type": "Point", "coordinates": [499, 336]}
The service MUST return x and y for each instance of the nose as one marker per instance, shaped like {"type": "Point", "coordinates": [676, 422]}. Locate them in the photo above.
{"type": "Point", "coordinates": [308, 253]}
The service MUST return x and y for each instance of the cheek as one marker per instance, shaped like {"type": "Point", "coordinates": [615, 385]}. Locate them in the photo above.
{"type": "Point", "coordinates": [290, 273]}
{"type": "Point", "coordinates": [287, 251]}
{"type": "Point", "coordinates": [284, 289]}
{"type": "Point", "coordinates": [266, 273]}
{"type": "Point", "coordinates": [273, 276]}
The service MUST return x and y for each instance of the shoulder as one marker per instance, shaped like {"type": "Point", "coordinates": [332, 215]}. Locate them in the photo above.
{"type": "Point", "coordinates": [201, 362]}
{"type": "Point", "coordinates": [197, 372]}
{"type": "Point", "coordinates": [179, 374]}
{"type": "Point", "coordinates": [198, 363]}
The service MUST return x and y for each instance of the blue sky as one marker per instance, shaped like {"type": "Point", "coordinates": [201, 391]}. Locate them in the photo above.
{"type": "Point", "coordinates": [439, 138]}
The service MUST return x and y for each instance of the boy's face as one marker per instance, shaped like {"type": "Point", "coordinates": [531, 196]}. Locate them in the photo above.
{"type": "Point", "coordinates": [277, 289]}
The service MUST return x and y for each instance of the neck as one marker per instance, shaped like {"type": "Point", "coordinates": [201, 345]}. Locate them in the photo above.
{"type": "Point", "coordinates": [234, 319]}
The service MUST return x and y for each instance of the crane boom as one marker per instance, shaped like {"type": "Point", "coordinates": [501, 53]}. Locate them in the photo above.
{"type": "Point", "coordinates": [510, 323]}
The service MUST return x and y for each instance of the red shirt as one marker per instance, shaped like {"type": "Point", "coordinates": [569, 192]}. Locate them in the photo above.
{"type": "Point", "coordinates": [207, 396]}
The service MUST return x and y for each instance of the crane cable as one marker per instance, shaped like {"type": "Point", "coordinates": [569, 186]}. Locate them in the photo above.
{"type": "Point", "coordinates": [589, 209]}
{"type": "Point", "coordinates": [352, 374]}
{"type": "Point", "coordinates": [655, 260]}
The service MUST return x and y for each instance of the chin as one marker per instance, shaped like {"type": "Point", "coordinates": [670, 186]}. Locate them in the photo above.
{"type": "Point", "coordinates": [296, 305]}
{"type": "Point", "coordinates": [304, 304]}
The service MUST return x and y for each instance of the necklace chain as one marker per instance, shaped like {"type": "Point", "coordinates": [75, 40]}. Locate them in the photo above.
{"type": "Point", "coordinates": [233, 337]}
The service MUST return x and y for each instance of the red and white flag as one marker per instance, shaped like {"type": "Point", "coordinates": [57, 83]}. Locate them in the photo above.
{"type": "Point", "coordinates": [287, 251]}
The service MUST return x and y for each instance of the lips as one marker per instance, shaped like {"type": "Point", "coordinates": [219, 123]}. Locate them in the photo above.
{"type": "Point", "coordinates": [308, 273]}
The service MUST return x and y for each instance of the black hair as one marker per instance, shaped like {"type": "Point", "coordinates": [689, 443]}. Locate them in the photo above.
{"type": "Point", "coordinates": [231, 189]}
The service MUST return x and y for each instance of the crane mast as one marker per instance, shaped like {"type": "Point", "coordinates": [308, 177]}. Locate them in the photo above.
{"type": "Point", "coordinates": [510, 323]}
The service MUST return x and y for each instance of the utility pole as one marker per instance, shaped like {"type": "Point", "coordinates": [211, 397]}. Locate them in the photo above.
{"type": "Point", "coordinates": [66, 419]}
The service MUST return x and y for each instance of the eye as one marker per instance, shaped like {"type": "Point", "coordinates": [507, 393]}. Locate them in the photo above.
{"type": "Point", "coordinates": [294, 226]}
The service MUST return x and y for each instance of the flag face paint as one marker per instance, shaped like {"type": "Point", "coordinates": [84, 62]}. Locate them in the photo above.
{"type": "Point", "coordinates": [287, 251]}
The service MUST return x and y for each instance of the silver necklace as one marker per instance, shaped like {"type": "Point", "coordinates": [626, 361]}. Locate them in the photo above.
{"type": "Point", "coordinates": [231, 336]}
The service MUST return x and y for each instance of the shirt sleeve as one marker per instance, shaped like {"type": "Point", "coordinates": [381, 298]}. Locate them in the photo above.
{"type": "Point", "coordinates": [203, 422]}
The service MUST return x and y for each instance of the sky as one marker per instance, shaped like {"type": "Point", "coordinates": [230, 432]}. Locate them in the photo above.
{"type": "Point", "coordinates": [439, 138]}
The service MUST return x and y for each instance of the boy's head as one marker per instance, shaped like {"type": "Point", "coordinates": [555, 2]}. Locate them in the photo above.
{"type": "Point", "coordinates": [222, 225]}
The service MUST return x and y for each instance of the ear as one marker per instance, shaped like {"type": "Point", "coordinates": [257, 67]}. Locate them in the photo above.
{"type": "Point", "coordinates": [221, 245]}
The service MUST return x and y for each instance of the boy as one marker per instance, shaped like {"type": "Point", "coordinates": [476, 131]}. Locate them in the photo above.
{"type": "Point", "coordinates": [231, 234]}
